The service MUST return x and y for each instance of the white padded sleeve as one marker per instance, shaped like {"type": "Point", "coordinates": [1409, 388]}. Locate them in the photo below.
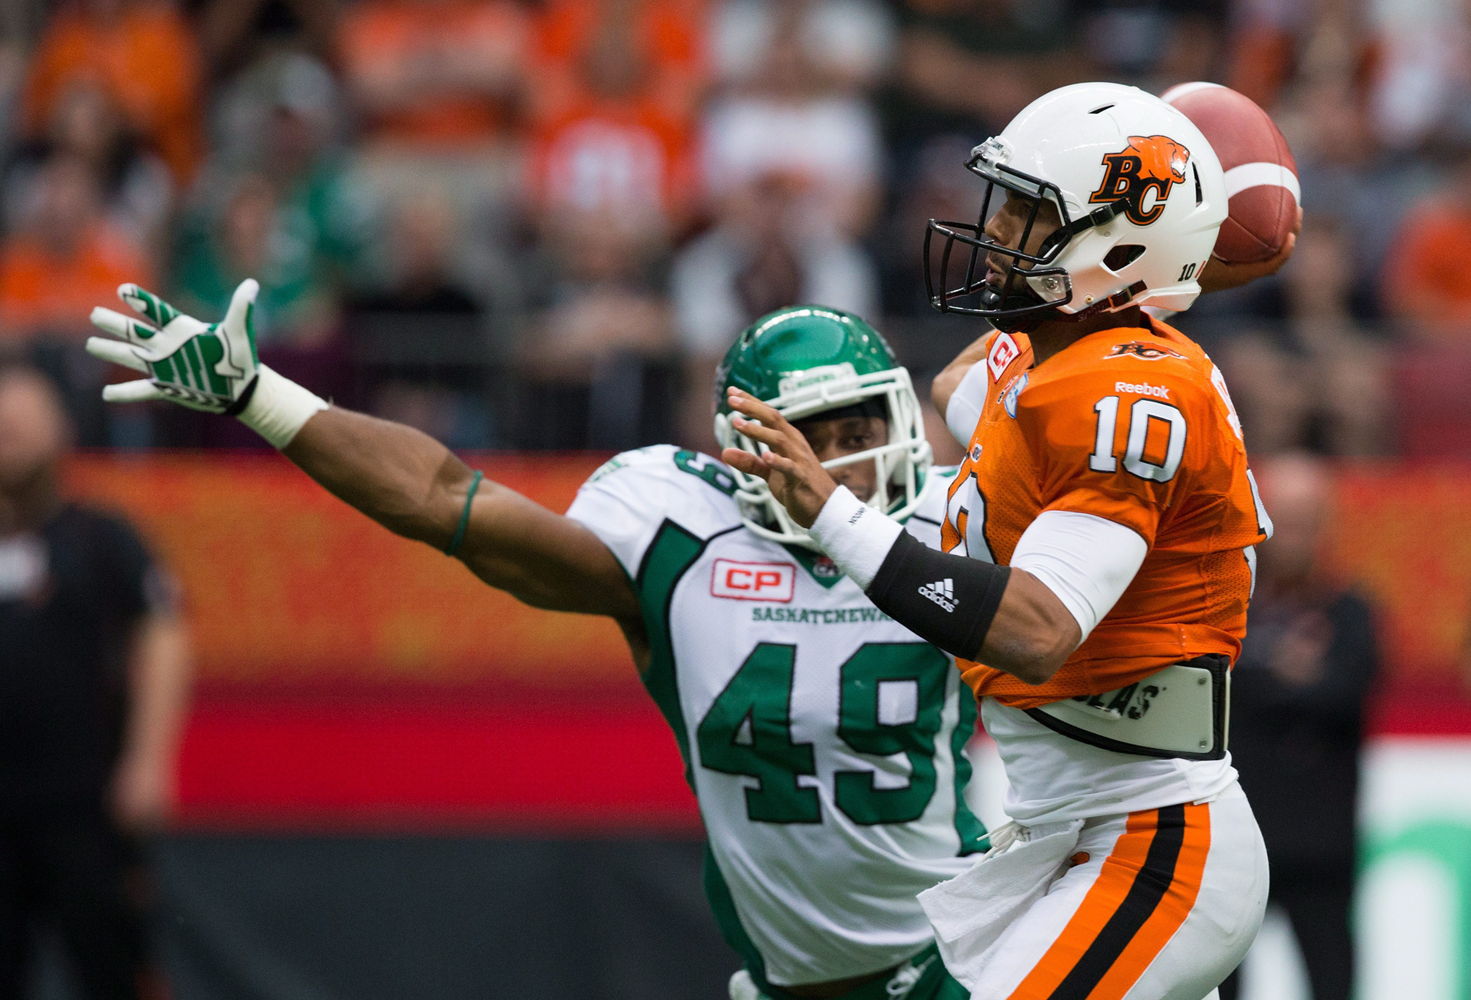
{"type": "Point", "coordinates": [1086, 560]}
{"type": "Point", "coordinates": [963, 411]}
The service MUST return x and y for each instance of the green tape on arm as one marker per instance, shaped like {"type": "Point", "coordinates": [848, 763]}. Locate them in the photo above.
{"type": "Point", "coordinates": [454, 543]}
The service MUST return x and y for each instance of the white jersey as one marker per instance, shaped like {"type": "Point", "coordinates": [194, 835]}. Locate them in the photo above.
{"type": "Point", "coordinates": [824, 741]}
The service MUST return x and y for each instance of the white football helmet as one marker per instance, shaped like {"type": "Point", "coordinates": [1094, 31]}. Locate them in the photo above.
{"type": "Point", "coordinates": [1140, 193]}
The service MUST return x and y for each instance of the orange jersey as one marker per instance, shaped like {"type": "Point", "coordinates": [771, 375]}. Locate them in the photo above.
{"type": "Point", "coordinates": [1132, 424]}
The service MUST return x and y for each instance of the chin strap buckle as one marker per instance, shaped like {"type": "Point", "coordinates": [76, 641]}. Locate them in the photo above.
{"type": "Point", "coordinates": [1118, 299]}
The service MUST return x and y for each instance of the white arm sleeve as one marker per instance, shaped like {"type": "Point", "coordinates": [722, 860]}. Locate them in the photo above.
{"type": "Point", "coordinates": [963, 411]}
{"type": "Point", "coordinates": [1086, 560]}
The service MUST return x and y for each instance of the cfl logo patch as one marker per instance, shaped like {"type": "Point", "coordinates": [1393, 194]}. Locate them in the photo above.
{"type": "Point", "coordinates": [941, 592]}
{"type": "Point", "coordinates": [753, 581]}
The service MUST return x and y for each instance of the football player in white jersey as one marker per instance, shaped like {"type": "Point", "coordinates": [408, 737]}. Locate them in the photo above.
{"type": "Point", "coordinates": [824, 742]}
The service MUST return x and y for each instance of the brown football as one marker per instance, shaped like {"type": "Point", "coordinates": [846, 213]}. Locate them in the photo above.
{"type": "Point", "coordinates": [1261, 177]}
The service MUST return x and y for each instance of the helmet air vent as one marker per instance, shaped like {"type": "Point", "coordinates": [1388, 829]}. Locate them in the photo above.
{"type": "Point", "coordinates": [1100, 109]}
{"type": "Point", "coordinates": [1121, 257]}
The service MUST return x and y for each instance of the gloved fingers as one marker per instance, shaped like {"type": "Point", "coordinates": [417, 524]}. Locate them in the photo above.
{"type": "Point", "coordinates": [241, 302]}
{"type": "Point", "coordinates": [122, 327]}
{"type": "Point", "coordinates": [140, 391]}
{"type": "Point", "coordinates": [116, 352]}
{"type": "Point", "coordinates": [159, 312]}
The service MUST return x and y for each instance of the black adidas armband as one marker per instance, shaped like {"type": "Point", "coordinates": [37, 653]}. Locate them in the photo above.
{"type": "Point", "coordinates": [949, 600]}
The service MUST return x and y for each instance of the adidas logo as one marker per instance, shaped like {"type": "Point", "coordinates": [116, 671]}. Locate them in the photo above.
{"type": "Point", "coordinates": [942, 592]}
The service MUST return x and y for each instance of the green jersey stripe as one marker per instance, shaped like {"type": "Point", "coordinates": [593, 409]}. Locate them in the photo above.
{"type": "Point", "coordinates": [972, 832]}
{"type": "Point", "coordinates": [672, 552]}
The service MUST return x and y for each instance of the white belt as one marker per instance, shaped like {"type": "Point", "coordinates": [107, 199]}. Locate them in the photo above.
{"type": "Point", "coordinates": [1182, 710]}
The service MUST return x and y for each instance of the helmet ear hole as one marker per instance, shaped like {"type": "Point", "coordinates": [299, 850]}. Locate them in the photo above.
{"type": "Point", "coordinates": [1121, 257]}
{"type": "Point", "coordinates": [1051, 243]}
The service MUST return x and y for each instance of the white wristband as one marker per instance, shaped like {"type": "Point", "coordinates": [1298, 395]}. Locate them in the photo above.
{"type": "Point", "coordinates": [279, 408]}
{"type": "Point", "coordinates": [854, 535]}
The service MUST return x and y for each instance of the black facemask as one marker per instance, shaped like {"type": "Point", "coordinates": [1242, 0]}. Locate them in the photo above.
{"type": "Point", "coordinates": [1015, 305]}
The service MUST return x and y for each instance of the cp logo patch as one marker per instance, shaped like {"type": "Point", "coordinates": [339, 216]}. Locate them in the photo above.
{"type": "Point", "coordinates": [753, 581]}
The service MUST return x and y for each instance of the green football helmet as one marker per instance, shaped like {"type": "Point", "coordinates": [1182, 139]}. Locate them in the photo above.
{"type": "Point", "coordinates": [808, 360]}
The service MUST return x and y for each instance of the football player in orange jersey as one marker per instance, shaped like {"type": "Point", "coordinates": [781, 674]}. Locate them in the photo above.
{"type": "Point", "coordinates": [1099, 551]}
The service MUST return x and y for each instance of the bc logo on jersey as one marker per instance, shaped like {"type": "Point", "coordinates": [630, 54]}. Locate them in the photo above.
{"type": "Point", "coordinates": [1139, 349]}
{"type": "Point", "coordinates": [753, 581]}
{"type": "Point", "coordinates": [1149, 163]}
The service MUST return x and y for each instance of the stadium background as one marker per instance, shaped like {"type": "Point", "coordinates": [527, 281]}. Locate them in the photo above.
{"type": "Point", "coordinates": [530, 227]}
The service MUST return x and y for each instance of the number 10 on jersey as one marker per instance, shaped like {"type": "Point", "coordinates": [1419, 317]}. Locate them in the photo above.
{"type": "Point", "coordinates": [1147, 419]}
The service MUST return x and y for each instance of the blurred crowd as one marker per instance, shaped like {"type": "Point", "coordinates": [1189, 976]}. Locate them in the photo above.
{"type": "Point", "coordinates": [538, 223]}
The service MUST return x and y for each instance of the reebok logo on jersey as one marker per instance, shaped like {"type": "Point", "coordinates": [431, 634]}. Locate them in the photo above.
{"type": "Point", "coordinates": [1143, 389]}
{"type": "Point", "coordinates": [753, 581]}
{"type": "Point", "coordinates": [942, 592]}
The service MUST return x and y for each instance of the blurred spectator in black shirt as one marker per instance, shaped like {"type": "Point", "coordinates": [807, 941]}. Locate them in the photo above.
{"type": "Point", "coordinates": [596, 358]}
{"type": "Point", "coordinates": [966, 67]}
{"type": "Point", "coordinates": [93, 686]}
{"type": "Point", "coordinates": [763, 252]}
{"type": "Point", "coordinates": [1297, 718]}
{"type": "Point", "coordinates": [420, 339]}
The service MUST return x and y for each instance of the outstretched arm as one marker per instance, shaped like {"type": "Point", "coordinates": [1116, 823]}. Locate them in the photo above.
{"type": "Point", "coordinates": [398, 476]}
{"type": "Point", "coordinates": [415, 487]}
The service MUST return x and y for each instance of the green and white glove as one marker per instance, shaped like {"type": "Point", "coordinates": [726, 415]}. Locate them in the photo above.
{"type": "Point", "coordinates": [212, 367]}
{"type": "Point", "coordinates": [204, 366]}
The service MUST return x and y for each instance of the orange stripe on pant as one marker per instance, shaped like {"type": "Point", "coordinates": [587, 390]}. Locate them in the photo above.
{"type": "Point", "coordinates": [1143, 893]}
{"type": "Point", "coordinates": [1170, 912]}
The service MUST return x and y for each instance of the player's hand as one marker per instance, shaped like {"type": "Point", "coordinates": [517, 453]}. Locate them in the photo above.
{"type": "Point", "coordinates": [204, 366]}
{"type": "Point", "coordinates": [1220, 275]}
{"type": "Point", "coordinates": [789, 466]}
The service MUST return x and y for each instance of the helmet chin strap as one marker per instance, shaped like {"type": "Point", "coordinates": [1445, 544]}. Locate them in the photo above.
{"type": "Point", "coordinates": [1025, 324]}
{"type": "Point", "coordinates": [992, 298]}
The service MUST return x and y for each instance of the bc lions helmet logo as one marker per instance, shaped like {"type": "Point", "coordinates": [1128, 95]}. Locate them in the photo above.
{"type": "Point", "coordinates": [1148, 163]}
